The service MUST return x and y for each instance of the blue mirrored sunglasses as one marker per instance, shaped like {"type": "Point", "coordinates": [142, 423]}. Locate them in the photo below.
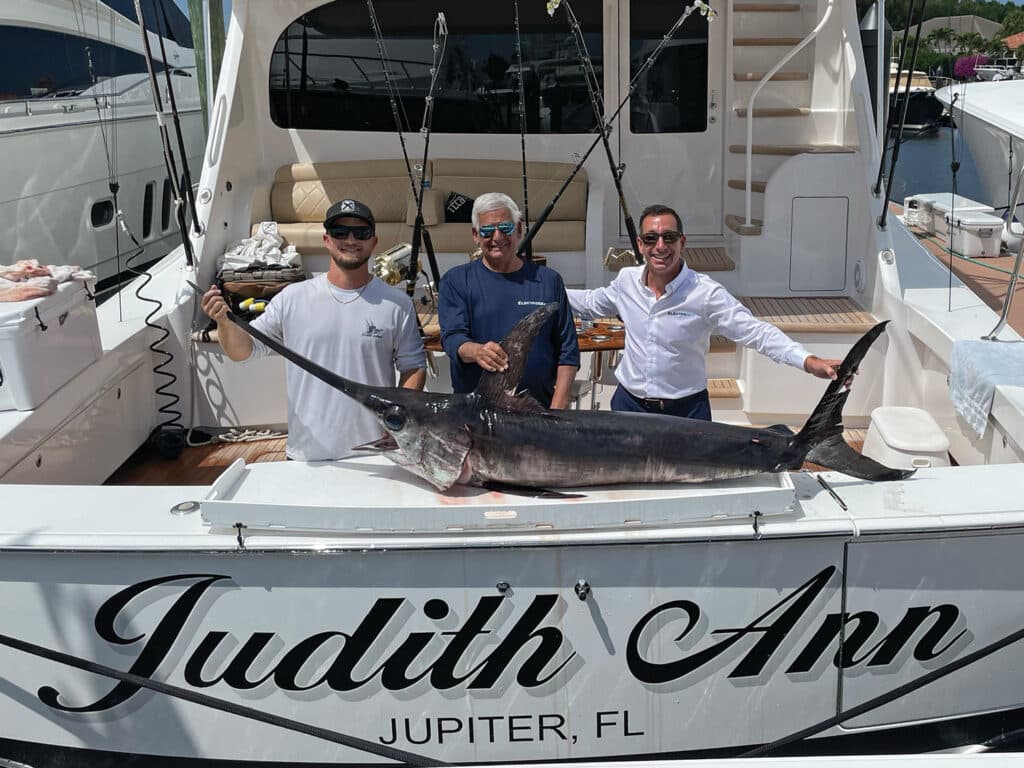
{"type": "Point", "coordinates": [505, 227]}
{"type": "Point", "coordinates": [341, 231]}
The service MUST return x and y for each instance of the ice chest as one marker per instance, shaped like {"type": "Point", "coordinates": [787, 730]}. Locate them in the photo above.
{"type": "Point", "coordinates": [948, 204]}
{"type": "Point", "coordinates": [974, 233]}
{"type": "Point", "coordinates": [43, 343]}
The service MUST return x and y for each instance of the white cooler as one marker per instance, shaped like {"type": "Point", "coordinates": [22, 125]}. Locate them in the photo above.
{"type": "Point", "coordinates": [974, 233]}
{"type": "Point", "coordinates": [905, 438]}
{"type": "Point", "coordinates": [929, 210]}
{"type": "Point", "coordinates": [35, 363]}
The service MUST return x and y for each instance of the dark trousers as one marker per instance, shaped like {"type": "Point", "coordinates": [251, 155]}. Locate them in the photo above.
{"type": "Point", "coordinates": [695, 406]}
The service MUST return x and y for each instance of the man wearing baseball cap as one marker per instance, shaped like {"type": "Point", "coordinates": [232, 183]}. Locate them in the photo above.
{"type": "Point", "coordinates": [346, 320]}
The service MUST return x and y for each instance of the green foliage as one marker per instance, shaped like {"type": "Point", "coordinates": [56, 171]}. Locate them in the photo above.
{"type": "Point", "coordinates": [1013, 22]}
{"type": "Point", "coordinates": [896, 11]}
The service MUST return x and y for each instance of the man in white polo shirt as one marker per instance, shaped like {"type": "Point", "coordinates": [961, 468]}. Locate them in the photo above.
{"type": "Point", "coordinates": [670, 312]}
{"type": "Point", "coordinates": [348, 321]}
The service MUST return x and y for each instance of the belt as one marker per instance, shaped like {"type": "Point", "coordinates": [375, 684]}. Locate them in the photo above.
{"type": "Point", "coordinates": [658, 403]}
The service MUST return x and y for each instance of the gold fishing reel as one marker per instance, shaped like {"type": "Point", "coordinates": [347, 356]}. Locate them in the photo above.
{"type": "Point", "coordinates": [617, 258]}
{"type": "Point", "coordinates": [392, 265]}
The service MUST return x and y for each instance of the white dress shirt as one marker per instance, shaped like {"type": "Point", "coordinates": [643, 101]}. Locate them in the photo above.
{"type": "Point", "coordinates": [667, 338]}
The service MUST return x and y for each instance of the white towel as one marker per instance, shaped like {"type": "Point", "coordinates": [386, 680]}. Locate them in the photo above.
{"type": "Point", "coordinates": [976, 369]}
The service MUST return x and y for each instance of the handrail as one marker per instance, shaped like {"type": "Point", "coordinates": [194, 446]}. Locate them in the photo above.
{"type": "Point", "coordinates": [757, 89]}
{"type": "Point", "coordinates": [1015, 274]}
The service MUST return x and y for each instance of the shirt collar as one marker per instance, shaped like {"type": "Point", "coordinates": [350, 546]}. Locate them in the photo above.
{"type": "Point", "coordinates": [683, 280]}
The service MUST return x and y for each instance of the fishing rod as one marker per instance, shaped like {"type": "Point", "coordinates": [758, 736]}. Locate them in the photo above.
{"type": "Point", "coordinates": [597, 104]}
{"type": "Point", "coordinates": [186, 175]}
{"type": "Point", "coordinates": [418, 229]}
{"type": "Point", "coordinates": [522, 125]}
{"type": "Point", "coordinates": [165, 139]}
{"type": "Point", "coordinates": [698, 5]}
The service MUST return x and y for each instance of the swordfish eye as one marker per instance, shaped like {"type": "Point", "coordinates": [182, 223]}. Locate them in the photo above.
{"type": "Point", "coordinates": [394, 418]}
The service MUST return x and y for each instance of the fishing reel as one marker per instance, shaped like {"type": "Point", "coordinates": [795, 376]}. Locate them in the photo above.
{"type": "Point", "coordinates": [392, 265]}
{"type": "Point", "coordinates": [617, 258]}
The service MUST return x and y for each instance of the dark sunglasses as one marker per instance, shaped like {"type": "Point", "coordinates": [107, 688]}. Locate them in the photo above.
{"type": "Point", "coordinates": [505, 227]}
{"type": "Point", "coordinates": [651, 238]}
{"type": "Point", "coordinates": [341, 231]}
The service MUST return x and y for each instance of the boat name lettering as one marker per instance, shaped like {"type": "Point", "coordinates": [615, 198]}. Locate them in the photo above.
{"type": "Point", "coordinates": [532, 651]}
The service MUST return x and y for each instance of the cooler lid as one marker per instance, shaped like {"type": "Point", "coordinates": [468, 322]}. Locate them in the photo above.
{"type": "Point", "coordinates": [909, 429]}
{"type": "Point", "coordinates": [974, 219]}
{"type": "Point", "coordinates": [16, 315]}
{"type": "Point", "coordinates": [947, 201]}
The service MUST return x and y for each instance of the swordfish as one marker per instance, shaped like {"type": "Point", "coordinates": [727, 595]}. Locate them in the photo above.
{"type": "Point", "coordinates": [495, 437]}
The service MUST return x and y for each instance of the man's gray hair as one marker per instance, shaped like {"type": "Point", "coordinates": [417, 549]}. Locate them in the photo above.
{"type": "Point", "coordinates": [494, 201]}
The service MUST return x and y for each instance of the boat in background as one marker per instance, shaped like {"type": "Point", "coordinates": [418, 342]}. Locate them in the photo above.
{"type": "Point", "coordinates": [990, 117]}
{"type": "Point", "coordinates": [76, 117]}
{"type": "Point", "coordinates": [924, 112]}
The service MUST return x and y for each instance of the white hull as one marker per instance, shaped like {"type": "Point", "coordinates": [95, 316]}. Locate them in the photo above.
{"type": "Point", "coordinates": [696, 638]}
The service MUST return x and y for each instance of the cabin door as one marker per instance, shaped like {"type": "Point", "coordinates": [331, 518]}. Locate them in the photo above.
{"type": "Point", "coordinates": [671, 137]}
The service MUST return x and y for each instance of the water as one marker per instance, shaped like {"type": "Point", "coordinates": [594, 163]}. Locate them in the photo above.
{"type": "Point", "coordinates": [924, 166]}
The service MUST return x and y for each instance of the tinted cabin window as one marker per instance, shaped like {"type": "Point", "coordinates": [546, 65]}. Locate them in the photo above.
{"type": "Point", "coordinates": [165, 207]}
{"type": "Point", "coordinates": [147, 210]}
{"type": "Point", "coordinates": [37, 63]}
{"type": "Point", "coordinates": [672, 97]}
{"type": "Point", "coordinates": [325, 72]}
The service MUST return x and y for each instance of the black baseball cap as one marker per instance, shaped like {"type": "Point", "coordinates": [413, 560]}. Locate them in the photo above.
{"type": "Point", "coordinates": [349, 208]}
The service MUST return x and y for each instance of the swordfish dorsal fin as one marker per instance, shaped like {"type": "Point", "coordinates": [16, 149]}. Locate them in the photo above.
{"type": "Point", "coordinates": [499, 387]}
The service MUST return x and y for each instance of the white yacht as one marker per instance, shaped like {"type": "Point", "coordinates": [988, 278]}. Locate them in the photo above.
{"type": "Point", "coordinates": [348, 612]}
{"type": "Point", "coordinates": [991, 118]}
{"type": "Point", "coordinates": [76, 116]}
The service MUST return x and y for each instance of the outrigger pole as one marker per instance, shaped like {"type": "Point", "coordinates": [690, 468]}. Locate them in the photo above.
{"type": "Point", "coordinates": [605, 128]}
{"type": "Point", "coordinates": [171, 166]}
{"type": "Point", "coordinates": [597, 104]}
{"type": "Point", "coordinates": [522, 125]}
{"type": "Point", "coordinates": [419, 231]}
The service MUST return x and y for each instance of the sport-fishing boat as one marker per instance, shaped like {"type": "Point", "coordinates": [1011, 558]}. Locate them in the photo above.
{"type": "Point", "coordinates": [76, 117]}
{"type": "Point", "coordinates": [349, 612]}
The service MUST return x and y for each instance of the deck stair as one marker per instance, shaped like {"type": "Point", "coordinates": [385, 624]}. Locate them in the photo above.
{"type": "Point", "coordinates": [708, 259]}
{"type": "Point", "coordinates": [784, 123]}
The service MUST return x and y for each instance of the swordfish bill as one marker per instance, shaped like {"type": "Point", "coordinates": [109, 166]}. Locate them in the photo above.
{"type": "Point", "coordinates": [495, 437]}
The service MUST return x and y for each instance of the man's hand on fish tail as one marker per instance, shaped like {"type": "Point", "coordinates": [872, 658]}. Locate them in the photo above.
{"type": "Point", "coordinates": [489, 356]}
{"type": "Point", "coordinates": [827, 369]}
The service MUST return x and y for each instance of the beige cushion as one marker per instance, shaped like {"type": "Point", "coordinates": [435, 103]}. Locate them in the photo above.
{"type": "Point", "coordinates": [553, 236]}
{"type": "Point", "coordinates": [303, 192]}
{"type": "Point", "coordinates": [475, 177]}
{"type": "Point", "coordinates": [433, 208]}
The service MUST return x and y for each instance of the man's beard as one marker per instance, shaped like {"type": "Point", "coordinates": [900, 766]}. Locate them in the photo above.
{"type": "Point", "coordinates": [349, 261]}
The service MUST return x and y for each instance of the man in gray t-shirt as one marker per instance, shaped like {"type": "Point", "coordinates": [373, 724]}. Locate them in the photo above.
{"type": "Point", "coordinates": [346, 320]}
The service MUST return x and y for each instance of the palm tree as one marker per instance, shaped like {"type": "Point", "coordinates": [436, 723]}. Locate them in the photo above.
{"type": "Point", "coordinates": [941, 39]}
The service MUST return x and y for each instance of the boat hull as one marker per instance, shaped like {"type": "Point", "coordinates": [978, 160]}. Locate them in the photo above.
{"type": "Point", "coordinates": [523, 653]}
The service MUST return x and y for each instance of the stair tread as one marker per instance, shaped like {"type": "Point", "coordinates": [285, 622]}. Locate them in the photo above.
{"type": "Point", "coordinates": [777, 77]}
{"type": "Point", "coordinates": [766, 7]}
{"type": "Point", "coordinates": [723, 388]}
{"type": "Point", "coordinates": [775, 111]}
{"type": "Point", "coordinates": [787, 42]}
{"type": "Point", "coordinates": [756, 186]}
{"type": "Point", "coordinates": [791, 149]}
{"type": "Point", "coordinates": [738, 225]}
{"type": "Point", "coordinates": [824, 314]}
{"type": "Point", "coordinates": [705, 259]}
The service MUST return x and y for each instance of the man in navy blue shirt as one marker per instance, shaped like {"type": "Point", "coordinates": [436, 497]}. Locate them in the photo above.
{"type": "Point", "coordinates": [479, 302]}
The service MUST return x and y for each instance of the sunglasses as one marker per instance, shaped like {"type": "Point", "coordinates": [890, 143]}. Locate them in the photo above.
{"type": "Point", "coordinates": [505, 227]}
{"type": "Point", "coordinates": [341, 231]}
{"type": "Point", "coordinates": [651, 238]}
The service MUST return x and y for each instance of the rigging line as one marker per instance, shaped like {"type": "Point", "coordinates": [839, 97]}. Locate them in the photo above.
{"type": "Point", "coordinates": [522, 121]}
{"type": "Point", "coordinates": [885, 698]}
{"type": "Point", "coordinates": [165, 138]}
{"type": "Point", "coordinates": [597, 105]}
{"type": "Point", "coordinates": [698, 5]}
{"type": "Point", "coordinates": [186, 175]}
{"type": "Point", "coordinates": [439, 45]}
{"type": "Point", "coordinates": [212, 702]}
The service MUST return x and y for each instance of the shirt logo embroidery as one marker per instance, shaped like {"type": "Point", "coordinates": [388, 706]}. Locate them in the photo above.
{"type": "Point", "coordinates": [372, 331]}
{"type": "Point", "coordinates": [680, 313]}
{"type": "Point", "coordinates": [522, 303]}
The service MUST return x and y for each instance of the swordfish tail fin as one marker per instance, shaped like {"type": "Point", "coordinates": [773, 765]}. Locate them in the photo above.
{"type": "Point", "coordinates": [821, 439]}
